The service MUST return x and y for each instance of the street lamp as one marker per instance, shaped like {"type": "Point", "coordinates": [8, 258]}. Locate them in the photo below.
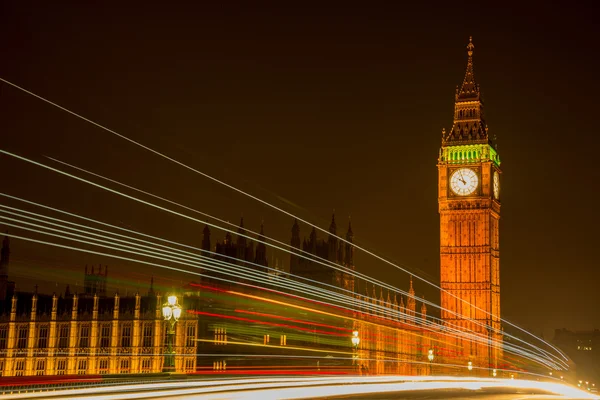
{"type": "Point", "coordinates": [171, 312]}
{"type": "Point", "coordinates": [430, 357]}
{"type": "Point", "coordinates": [494, 373]}
{"type": "Point", "coordinates": [355, 341]}
{"type": "Point", "coordinates": [470, 367]}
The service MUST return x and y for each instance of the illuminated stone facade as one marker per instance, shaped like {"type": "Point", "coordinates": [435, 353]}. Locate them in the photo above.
{"type": "Point", "coordinates": [50, 335]}
{"type": "Point", "coordinates": [469, 207]}
{"type": "Point", "coordinates": [397, 338]}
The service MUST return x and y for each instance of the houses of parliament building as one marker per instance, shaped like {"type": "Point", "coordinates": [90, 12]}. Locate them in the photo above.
{"type": "Point", "coordinates": [97, 332]}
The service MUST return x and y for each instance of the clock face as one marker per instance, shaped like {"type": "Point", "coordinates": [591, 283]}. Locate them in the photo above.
{"type": "Point", "coordinates": [496, 185]}
{"type": "Point", "coordinates": [464, 181]}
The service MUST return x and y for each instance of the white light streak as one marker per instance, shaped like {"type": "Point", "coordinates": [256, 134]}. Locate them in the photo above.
{"type": "Point", "coordinates": [262, 202]}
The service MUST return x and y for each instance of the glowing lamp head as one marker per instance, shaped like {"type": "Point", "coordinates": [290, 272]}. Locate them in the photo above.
{"type": "Point", "coordinates": [167, 312]}
{"type": "Point", "coordinates": [470, 366]}
{"type": "Point", "coordinates": [176, 312]}
{"type": "Point", "coordinates": [494, 373]}
{"type": "Point", "coordinates": [430, 355]}
{"type": "Point", "coordinates": [172, 300]}
{"type": "Point", "coordinates": [355, 338]}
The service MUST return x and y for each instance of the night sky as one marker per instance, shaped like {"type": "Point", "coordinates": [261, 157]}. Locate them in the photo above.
{"type": "Point", "coordinates": [313, 108]}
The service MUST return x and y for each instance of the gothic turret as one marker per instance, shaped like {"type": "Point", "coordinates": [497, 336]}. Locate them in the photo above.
{"type": "Point", "coordinates": [312, 241]}
{"type": "Point", "coordinates": [151, 290]}
{"type": "Point", "coordinates": [261, 249]}
{"type": "Point", "coordinates": [95, 282]}
{"type": "Point", "coordinates": [411, 304]}
{"type": "Point", "coordinates": [332, 241]}
{"type": "Point", "coordinates": [206, 238]}
{"type": "Point", "coordinates": [389, 305]}
{"type": "Point", "coordinates": [241, 243]}
{"type": "Point", "coordinates": [349, 261]}
{"type": "Point", "coordinates": [295, 243]}
{"type": "Point", "coordinates": [402, 309]}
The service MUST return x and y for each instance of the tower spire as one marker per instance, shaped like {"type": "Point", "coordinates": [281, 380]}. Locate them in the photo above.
{"type": "Point", "coordinates": [206, 238]}
{"type": "Point", "coordinates": [469, 125]}
{"type": "Point", "coordinates": [260, 257]}
{"type": "Point", "coordinates": [469, 89]}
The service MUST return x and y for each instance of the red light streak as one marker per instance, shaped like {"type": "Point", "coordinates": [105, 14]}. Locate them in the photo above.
{"type": "Point", "coordinates": [264, 322]}
{"type": "Point", "coordinates": [292, 320]}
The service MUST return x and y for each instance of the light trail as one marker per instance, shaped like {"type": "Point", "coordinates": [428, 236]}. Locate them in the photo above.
{"type": "Point", "coordinates": [480, 338]}
{"type": "Point", "coordinates": [257, 321]}
{"type": "Point", "coordinates": [193, 254]}
{"type": "Point", "coordinates": [304, 388]}
{"type": "Point", "coordinates": [179, 270]}
{"type": "Point", "coordinates": [565, 359]}
{"type": "Point", "coordinates": [527, 355]}
{"type": "Point", "coordinates": [520, 351]}
{"type": "Point", "coordinates": [347, 330]}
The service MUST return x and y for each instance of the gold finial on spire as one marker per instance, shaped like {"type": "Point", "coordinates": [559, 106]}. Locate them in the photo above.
{"type": "Point", "coordinates": [470, 46]}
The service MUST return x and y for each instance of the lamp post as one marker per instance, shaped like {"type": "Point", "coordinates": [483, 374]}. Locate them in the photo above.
{"type": "Point", "coordinates": [470, 367]}
{"type": "Point", "coordinates": [430, 357]}
{"type": "Point", "coordinates": [355, 341]}
{"type": "Point", "coordinates": [171, 312]}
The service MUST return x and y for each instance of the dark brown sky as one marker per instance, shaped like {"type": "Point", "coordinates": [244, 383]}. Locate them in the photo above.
{"type": "Point", "coordinates": [314, 108]}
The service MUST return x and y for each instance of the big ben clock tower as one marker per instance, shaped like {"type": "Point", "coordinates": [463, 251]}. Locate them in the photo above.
{"type": "Point", "coordinates": [469, 206]}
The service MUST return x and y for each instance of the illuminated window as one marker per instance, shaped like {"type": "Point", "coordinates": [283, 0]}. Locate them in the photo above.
{"type": "Point", "coordinates": [63, 337]}
{"type": "Point", "coordinates": [220, 365]}
{"type": "Point", "coordinates": [147, 335]}
{"type": "Point", "coordinates": [146, 365]}
{"type": "Point", "coordinates": [103, 366]}
{"type": "Point", "coordinates": [81, 367]}
{"type": "Point", "coordinates": [40, 367]}
{"type": "Point", "coordinates": [20, 368]}
{"type": "Point", "coordinates": [124, 366]}
{"type": "Point", "coordinates": [189, 365]}
{"type": "Point", "coordinates": [220, 336]}
{"type": "Point", "coordinates": [42, 341]}
{"type": "Point", "coordinates": [61, 367]}
{"type": "Point", "coordinates": [3, 337]}
{"type": "Point", "coordinates": [267, 338]}
{"type": "Point", "coordinates": [1, 367]}
{"type": "Point", "coordinates": [190, 337]}
{"type": "Point", "coordinates": [22, 337]}
{"type": "Point", "coordinates": [283, 340]}
{"type": "Point", "coordinates": [126, 336]}
{"type": "Point", "coordinates": [84, 336]}
{"type": "Point", "coordinates": [105, 335]}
